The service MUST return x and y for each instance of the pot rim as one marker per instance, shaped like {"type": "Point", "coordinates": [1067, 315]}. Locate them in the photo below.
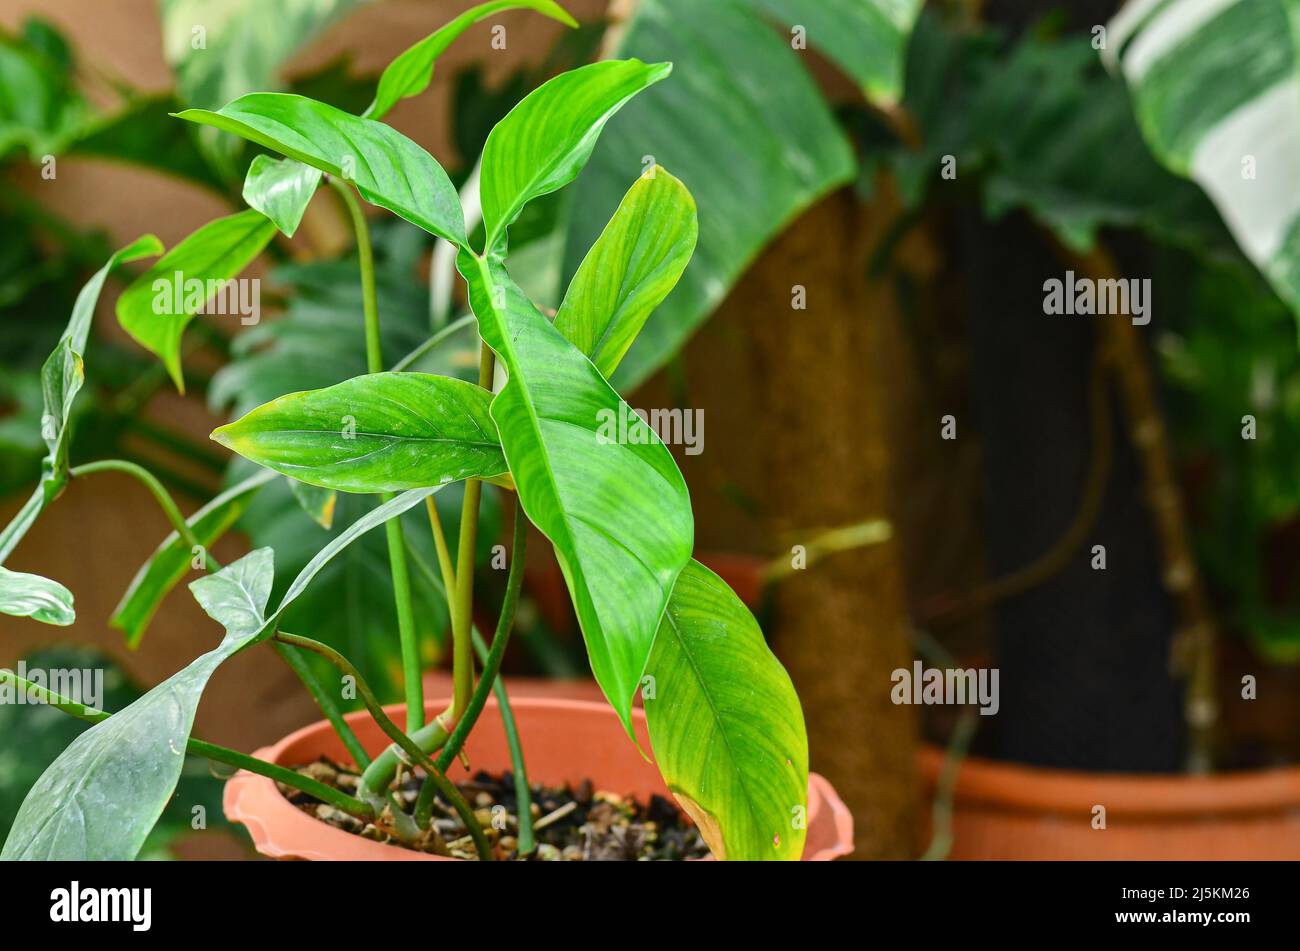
{"type": "Point", "coordinates": [1049, 790]}
{"type": "Point", "coordinates": [281, 830]}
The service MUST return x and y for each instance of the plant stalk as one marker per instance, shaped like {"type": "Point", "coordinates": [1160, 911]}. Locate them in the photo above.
{"type": "Point", "coordinates": [411, 673]}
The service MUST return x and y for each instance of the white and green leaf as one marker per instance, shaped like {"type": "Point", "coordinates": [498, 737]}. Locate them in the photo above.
{"type": "Point", "coordinates": [27, 595]}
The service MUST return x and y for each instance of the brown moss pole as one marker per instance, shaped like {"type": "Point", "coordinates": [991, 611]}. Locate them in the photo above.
{"type": "Point", "coordinates": [819, 429]}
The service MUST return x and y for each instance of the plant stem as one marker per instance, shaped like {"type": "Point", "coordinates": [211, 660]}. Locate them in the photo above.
{"type": "Point", "coordinates": [432, 343]}
{"type": "Point", "coordinates": [523, 795]}
{"type": "Point", "coordinates": [219, 754]}
{"type": "Point", "coordinates": [462, 669]}
{"type": "Point", "coordinates": [435, 777]}
{"type": "Point", "coordinates": [150, 481]}
{"type": "Point", "coordinates": [491, 665]}
{"type": "Point", "coordinates": [414, 687]}
{"type": "Point", "coordinates": [325, 700]}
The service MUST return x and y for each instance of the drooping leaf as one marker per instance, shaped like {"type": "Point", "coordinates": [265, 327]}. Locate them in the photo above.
{"type": "Point", "coordinates": [388, 169]}
{"type": "Point", "coordinates": [173, 558]}
{"type": "Point", "coordinates": [317, 502]}
{"type": "Point", "coordinates": [381, 432]}
{"type": "Point", "coordinates": [741, 124]}
{"type": "Point", "coordinates": [62, 376]}
{"type": "Point", "coordinates": [865, 38]}
{"type": "Point", "coordinates": [158, 306]}
{"type": "Point", "coordinates": [630, 270]}
{"type": "Point", "coordinates": [616, 510]}
{"type": "Point", "coordinates": [101, 797]}
{"type": "Point", "coordinates": [545, 141]}
{"type": "Point", "coordinates": [25, 595]}
{"type": "Point", "coordinates": [726, 725]}
{"type": "Point", "coordinates": [1216, 89]}
{"type": "Point", "coordinates": [104, 793]}
{"type": "Point", "coordinates": [410, 73]}
{"type": "Point", "coordinates": [281, 189]}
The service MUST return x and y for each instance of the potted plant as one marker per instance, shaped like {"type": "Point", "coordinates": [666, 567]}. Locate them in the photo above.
{"type": "Point", "coordinates": [720, 715]}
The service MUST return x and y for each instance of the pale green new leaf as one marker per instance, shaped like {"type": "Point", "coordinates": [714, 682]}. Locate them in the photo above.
{"type": "Point", "coordinates": [281, 189]}
{"type": "Point", "coordinates": [617, 512]}
{"type": "Point", "coordinates": [24, 595]}
{"type": "Point", "coordinates": [544, 142]}
{"type": "Point", "coordinates": [159, 305]}
{"type": "Point", "coordinates": [173, 558]}
{"type": "Point", "coordinates": [388, 169]}
{"type": "Point", "coordinates": [742, 124]}
{"type": "Point", "coordinates": [865, 38]}
{"type": "Point", "coordinates": [633, 266]}
{"type": "Point", "coordinates": [98, 800]}
{"type": "Point", "coordinates": [726, 725]}
{"type": "Point", "coordinates": [381, 432]}
{"type": "Point", "coordinates": [411, 72]}
{"type": "Point", "coordinates": [104, 793]}
{"type": "Point", "coordinates": [1216, 89]}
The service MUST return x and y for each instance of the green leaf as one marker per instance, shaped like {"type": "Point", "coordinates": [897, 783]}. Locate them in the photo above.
{"type": "Point", "coordinates": [737, 86]}
{"type": "Point", "coordinates": [24, 595]}
{"type": "Point", "coordinates": [630, 270]}
{"type": "Point", "coordinates": [726, 725]}
{"type": "Point", "coordinates": [388, 169]}
{"type": "Point", "coordinates": [243, 43]}
{"type": "Point", "coordinates": [316, 502]}
{"type": "Point", "coordinates": [158, 306]}
{"type": "Point", "coordinates": [1217, 93]}
{"type": "Point", "coordinates": [865, 38]}
{"type": "Point", "coordinates": [545, 141]}
{"type": "Point", "coordinates": [62, 377]}
{"type": "Point", "coordinates": [281, 189]}
{"type": "Point", "coordinates": [104, 793]}
{"type": "Point", "coordinates": [410, 73]}
{"type": "Point", "coordinates": [381, 432]}
{"type": "Point", "coordinates": [617, 512]}
{"type": "Point", "coordinates": [142, 133]}
{"type": "Point", "coordinates": [172, 559]}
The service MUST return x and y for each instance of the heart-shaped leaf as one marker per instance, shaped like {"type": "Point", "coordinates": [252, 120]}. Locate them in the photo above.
{"type": "Point", "coordinates": [24, 595]}
{"type": "Point", "coordinates": [281, 189]}
{"type": "Point", "coordinates": [173, 558]}
{"type": "Point", "coordinates": [630, 270]}
{"type": "Point", "coordinates": [726, 725]}
{"type": "Point", "coordinates": [382, 432]}
{"type": "Point", "coordinates": [388, 169]}
{"type": "Point", "coordinates": [410, 73]}
{"type": "Point", "coordinates": [158, 306]}
{"type": "Point", "coordinates": [617, 511]}
{"type": "Point", "coordinates": [544, 142]}
{"type": "Point", "coordinates": [104, 793]}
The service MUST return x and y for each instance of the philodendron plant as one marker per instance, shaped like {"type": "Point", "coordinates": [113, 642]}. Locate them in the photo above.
{"type": "Point", "coordinates": [725, 726]}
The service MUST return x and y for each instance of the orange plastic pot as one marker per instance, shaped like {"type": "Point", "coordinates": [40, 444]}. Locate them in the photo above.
{"type": "Point", "coordinates": [1006, 811]}
{"type": "Point", "coordinates": [564, 740]}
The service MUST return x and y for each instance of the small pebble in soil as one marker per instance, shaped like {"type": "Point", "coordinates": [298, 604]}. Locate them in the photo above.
{"type": "Point", "coordinates": [579, 824]}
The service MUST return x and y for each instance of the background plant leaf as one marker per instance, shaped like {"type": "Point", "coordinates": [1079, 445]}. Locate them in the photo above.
{"type": "Point", "coordinates": [741, 124]}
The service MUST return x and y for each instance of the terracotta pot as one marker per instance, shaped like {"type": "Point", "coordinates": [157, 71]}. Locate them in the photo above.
{"type": "Point", "coordinates": [1006, 811]}
{"type": "Point", "coordinates": [564, 741]}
